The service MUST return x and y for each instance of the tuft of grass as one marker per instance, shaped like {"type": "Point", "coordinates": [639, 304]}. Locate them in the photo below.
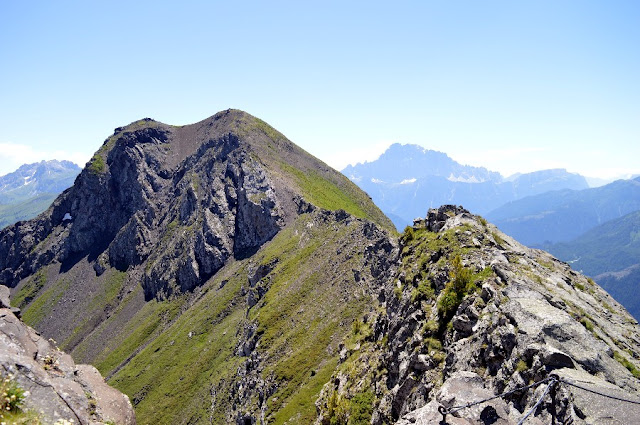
{"type": "Point", "coordinates": [30, 289]}
{"type": "Point", "coordinates": [424, 291]}
{"type": "Point", "coordinates": [459, 285]}
{"type": "Point", "coordinates": [521, 366]}
{"type": "Point", "coordinates": [12, 396]}
{"type": "Point", "coordinates": [97, 165]}
{"type": "Point", "coordinates": [361, 408]}
{"type": "Point", "coordinates": [498, 238]}
{"type": "Point", "coordinates": [407, 235]}
{"type": "Point", "coordinates": [431, 327]}
{"type": "Point", "coordinates": [607, 306]}
{"type": "Point", "coordinates": [545, 264]}
{"type": "Point", "coordinates": [397, 291]}
{"type": "Point", "coordinates": [626, 363]}
{"type": "Point", "coordinates": [354, 411]}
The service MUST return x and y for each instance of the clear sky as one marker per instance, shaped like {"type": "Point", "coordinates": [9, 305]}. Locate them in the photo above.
{"type": "Point", "coordinates": [510, 85]}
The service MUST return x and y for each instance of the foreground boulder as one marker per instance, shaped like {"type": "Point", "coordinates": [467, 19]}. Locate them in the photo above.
{"type": "Point", "coordinates": [57, 387]}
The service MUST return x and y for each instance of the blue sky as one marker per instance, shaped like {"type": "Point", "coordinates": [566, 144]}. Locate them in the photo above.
{"type": "Point", "coordinates": [510, 85]}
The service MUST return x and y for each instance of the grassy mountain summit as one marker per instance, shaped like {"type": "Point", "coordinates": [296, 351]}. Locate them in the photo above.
{"type": "Point", "coordinates": [216, 273]}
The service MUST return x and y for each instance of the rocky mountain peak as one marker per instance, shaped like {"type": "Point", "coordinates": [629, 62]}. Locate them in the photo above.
{"type": "Point", "coordinates": [30, 180]}
{"type": "Point", "coordinates": [217, 273]}
{"type": "Point", "coordinates": [405, 162]}
{"type": "Point", "coordinates": [172, 204]}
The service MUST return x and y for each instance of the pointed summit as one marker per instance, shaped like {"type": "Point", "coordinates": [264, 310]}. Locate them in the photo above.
{"type": "Point", "coordinates": [213, 190]}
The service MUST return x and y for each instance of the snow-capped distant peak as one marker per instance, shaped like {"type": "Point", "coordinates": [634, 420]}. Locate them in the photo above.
{"type": "Point", "coordinates": [29, 179]}
{"type": "Point", "coordinates": [472, 179]}
{"type": "Point", "coordinates": [408, 181]}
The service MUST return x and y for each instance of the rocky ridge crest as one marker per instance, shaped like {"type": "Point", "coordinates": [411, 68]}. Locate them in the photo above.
{"type": "Point", "coordinates": [471, 314]}
{"type": "Point", "coordinates": [190, 265]}
{"type": "Point", "coordinates": [181, 200]}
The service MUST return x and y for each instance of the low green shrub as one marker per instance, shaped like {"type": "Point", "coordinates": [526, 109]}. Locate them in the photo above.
{"type": "Point", "coordinates": [460, 283]}
{"type": "Point", "coordinates": [97, 165]}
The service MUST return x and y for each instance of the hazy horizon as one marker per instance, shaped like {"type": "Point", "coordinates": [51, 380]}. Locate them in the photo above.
{"type": "Point", "coordinates": [511, 86]}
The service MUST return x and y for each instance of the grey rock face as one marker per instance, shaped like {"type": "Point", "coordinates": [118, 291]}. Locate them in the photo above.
{"type": "Point", "coordinates": [227, 209]}
{"type": "Point", "coordinates": [528, 317]}
{"type": "Point", "coordinates": [130, 207]}
{"type": "Point", "coordinates": [58, 388]}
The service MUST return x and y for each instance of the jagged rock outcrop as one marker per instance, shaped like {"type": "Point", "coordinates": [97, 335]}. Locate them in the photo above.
{"type": "Point", "coordinates": [132, 204]}
{"type": "Point", "coordinates": [57, 387]}
{"type": "Point", "coordinates": [181, 200]}
{"type": "Point", "coordinates": [472, 314]}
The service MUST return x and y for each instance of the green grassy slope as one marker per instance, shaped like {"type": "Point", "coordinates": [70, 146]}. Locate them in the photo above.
{"type": "Point", "coordinates": [177, 358]}
{"type": "Point", "coordinates": [185, 375]}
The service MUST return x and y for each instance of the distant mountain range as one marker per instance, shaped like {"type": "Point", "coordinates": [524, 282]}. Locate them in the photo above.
{"type": "Point", "coordinates": [31, 188]}
{"type": "Point", "coordinates": [610, 253]}
{"type": "Point", "coordinates": [596, 229]}
{"type": "Point", "coordinates": [406, 179]}
{"type": "Point", "coordinates": [563, 215]}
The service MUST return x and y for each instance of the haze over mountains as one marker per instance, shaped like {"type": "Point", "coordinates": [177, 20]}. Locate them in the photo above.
{"type": "Point", "coordinates": [552, 209]}
{"type": "Point", "coordinates": [406, 178]}
{"type": "Point", "coordinates": [562, 215]}
{"type": "Point", "coordinates": [610, 253]}
{"type": "Point", "coordinates": [31, 188]}
{"type": "Point", "coordinates": [217, 273]}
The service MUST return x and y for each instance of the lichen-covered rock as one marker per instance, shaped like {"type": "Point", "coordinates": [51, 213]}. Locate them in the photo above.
{"type": "Point", "coordinates": [57, 387]}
